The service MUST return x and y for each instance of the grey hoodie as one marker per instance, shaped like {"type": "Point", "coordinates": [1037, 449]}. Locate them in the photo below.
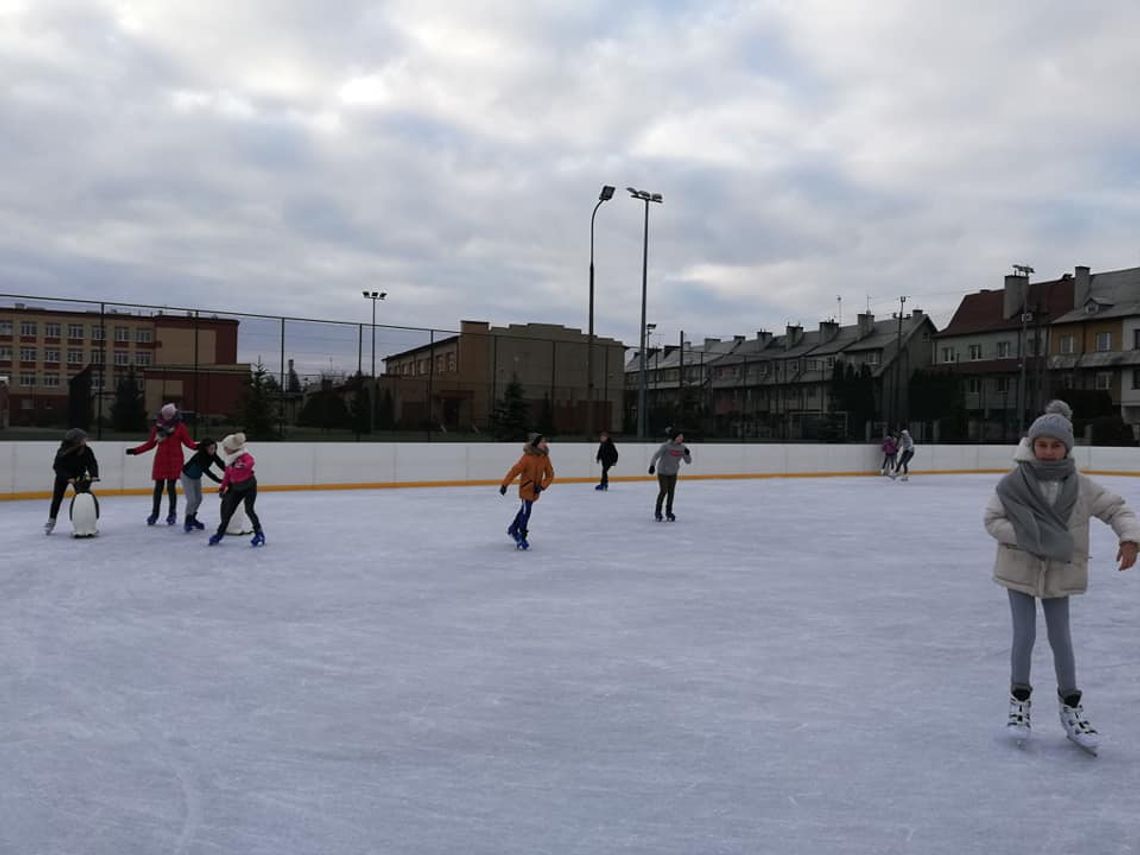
{"type": "Point", "coordinates": [670, 454]}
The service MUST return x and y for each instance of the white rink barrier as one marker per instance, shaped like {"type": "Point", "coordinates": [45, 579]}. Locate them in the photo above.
{"type": "Point", "coordinates": [26, 473]}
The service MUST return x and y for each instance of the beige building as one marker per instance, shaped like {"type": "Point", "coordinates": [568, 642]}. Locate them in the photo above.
{"type": "Point", "coordinates": [462, 376]}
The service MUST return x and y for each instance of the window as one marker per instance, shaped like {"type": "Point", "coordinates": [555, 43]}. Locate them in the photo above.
{"type": "Point", "coordinates": [830, 362]}
{"type": "Point", "coordinates": [143, 335]}
{"type": "Point", "coordinates": [5, 327]}
{"type": "Point", "coordinates": [947, 354]}
{"type": "Point", "coordinates": [75, 331]}
{"type": "Point", "coordinates": [122, 357]}
{"type": "Point", "coordinates": [1003, 350]}
{"type": "Point", "coordinates": [873, 357]}
{"type": "Point", "coordinates": [28, 328]}
{"type": "Point", "coordinates": [51, 380]}
{"type": "Point", "coordinates": [51, 355]}
{"type": "Point", "coordinates": [1103, 344]}
{"type": "Point", "coordinates": [27, 378]}
{"type": "Point", "coordinates": [973, 385]}
{"type": "Point", "coordinates": [1136, 378]}
{"type": "Point", "coordinates": [96, 379]}
{"type": "Point", "coordinates": [451, 362]}
{"type": "Point", "coordinates": [27, 354]}
{"type": "Point", "coordinates": [98, 332]}
{"type": "Point", "coordinates": [5, 353]}
{"type": "Point", "coordinates": [75, 357]}
{"type": "Point", "coordinates": [1069, 343]}
{"type": "Point", "coordinates": [975, 352]}
{"type": "Point", "coordinates": [1135, 339]}
{"type": "Point", "coordinates": [142, 358]}
{"type": "Point", "coordinates": [122, 333]}
{"type": "Point", "coordinates": [1001, 385]}
{"type": "Point", "coordinates": [51, 330]}
{"type": "Point", "coordinates": [96, 357]}
{"type": "Point", "coordinates": [1104, 380]}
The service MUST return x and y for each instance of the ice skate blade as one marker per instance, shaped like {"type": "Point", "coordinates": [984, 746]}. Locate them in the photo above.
{"type": "Point", "coordinates": [1088, 749]}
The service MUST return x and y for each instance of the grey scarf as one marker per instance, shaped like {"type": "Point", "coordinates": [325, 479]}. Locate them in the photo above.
{"type": "Point", "coordinates": [1042, 528]}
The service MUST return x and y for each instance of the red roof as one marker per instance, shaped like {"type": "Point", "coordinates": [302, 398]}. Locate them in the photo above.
{"type": "Point", "coordinates": [983, 311]}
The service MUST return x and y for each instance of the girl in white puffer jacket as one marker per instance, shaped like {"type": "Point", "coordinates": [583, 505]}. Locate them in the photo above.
{"type": "Point", "coordinates": [1039, 515]}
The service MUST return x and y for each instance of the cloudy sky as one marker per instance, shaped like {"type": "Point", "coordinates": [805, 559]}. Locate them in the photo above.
{"type": "Point", "coordinates": [281, 155]}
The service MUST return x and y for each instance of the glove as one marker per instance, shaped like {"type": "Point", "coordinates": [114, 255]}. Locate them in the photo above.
{"type": "Point", "coordinates": [537, 489]}
{"type": "Point", "coordinates": [131, 452]}
{"type": "Point", "coordinates": [652, 470]}
{"type": "Point", "coordinates": [503, 491]}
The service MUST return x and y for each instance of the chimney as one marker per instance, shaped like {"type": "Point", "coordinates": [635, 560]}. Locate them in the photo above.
{"type": "Point", "coordinates": [764, 337]}
{"type": "Point", "coordinates": [709, 342]}
{"type": "Point", "coordinates": [1082, 287]}
{"type": "Point", "coordinates": [917, 314]}
{"type": "Point", "coordinates": [1014, 295]}
{"type": "Point", "coordinates": [828, 330]}
{"type": "Point", "coordinates": [794, 335]}
{"type": "Point", "coordinates": [738, 339]}
{"type": "Point", "coordinates": [866, 324]}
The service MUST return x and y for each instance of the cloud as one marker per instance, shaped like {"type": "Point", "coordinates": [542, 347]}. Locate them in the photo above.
{"type": "Point", "coordinates": [281, 156]}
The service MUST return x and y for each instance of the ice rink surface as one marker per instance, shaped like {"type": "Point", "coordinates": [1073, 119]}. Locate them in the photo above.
{"type": "Point", "coordinates": [795, 666]}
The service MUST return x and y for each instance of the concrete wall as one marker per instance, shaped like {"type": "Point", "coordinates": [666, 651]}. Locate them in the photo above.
{"type": "Point", "coordinates": [25, 467]}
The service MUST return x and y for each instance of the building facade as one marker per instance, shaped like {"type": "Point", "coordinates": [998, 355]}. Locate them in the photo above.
{"type": "Point", "coordinates": [188, 360]}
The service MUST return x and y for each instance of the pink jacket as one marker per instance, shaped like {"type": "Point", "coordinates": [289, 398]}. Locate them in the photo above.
{"type": "Point", "coordinates": [239, 470]}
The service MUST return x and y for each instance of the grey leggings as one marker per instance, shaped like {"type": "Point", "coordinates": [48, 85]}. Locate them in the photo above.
{"type": "Point", "coordinates": [1023, 608]}
{"type": "Point", "coordinates": [192, 487]}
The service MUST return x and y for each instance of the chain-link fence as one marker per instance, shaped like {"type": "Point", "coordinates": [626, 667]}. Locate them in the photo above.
{"type": "Point", "coordinates": [109, 367]}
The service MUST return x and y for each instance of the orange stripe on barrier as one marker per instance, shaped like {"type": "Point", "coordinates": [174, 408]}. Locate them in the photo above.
{"type": "Point", "coordinates": [397, 485]}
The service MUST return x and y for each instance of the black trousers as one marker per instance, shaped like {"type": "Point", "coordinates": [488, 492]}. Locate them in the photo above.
{"type": "Point", "coordinates": [57, 493]}
{"type": "Point", "coordinates": [606, 474]}
{"type": "Point", "coordinates": [666, 484]}
{"type": "Point", "coordinates": [903, 461]}
{"type": "Point", "coordinates": [235, 496]}
{"type": "Point", "coordinates": [170, 489]}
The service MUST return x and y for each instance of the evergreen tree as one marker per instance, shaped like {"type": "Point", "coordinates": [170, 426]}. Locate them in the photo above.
{"type": "Point", "coordinates": [360, 410]}
{"type": "Point", "coordinates": [259, 405]}
{"type": "Point", "coordinates": [546, 416]}
{"type": "Point", "coordinates": [128, 412]}
{"type": "Point", "coordinates": [385, 411]}
{"type": "Point", "coordinates": [511, 418]}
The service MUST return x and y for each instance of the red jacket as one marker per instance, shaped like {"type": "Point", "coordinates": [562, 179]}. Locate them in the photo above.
{"type": "Point", "coordinates": [168, 458]}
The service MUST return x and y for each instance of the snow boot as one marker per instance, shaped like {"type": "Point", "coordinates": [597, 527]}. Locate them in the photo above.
{"type": "Point", "coordinates": [215, 539]}
{"type": "Point", "coordinates": [1077, 727]}
{"type": "Point", "coordinates": [1018, 724]}
{"type": "Point", "coordinates": [49, 526]}
{"type": "Point", "coordinates": [258, 539]}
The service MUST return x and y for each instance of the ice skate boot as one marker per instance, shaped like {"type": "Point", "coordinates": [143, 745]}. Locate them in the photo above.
{"type": "Point", "coordinates": [197, 525]}
{"type": "Point", "coordinates": [1077, 727]}
{"type": "Point", "coordinates": [171, 518]}
{"type": "Point", "coordinates": [1018, 724]}
{"type": "Point", "coordinates": [258, 539]}
{"type": "Point", "coordinates": [520, 540]}
{"type": "Point", "coordinates": [49, 526]}
{"type": "Point", "coordinates": [152, 519]}
{"type": "Point", "coordinates": [657, 516]}
{"type": "Point", "coordinates": [215, 539]}
{"type": "Point", "coordinates": [188, 526]}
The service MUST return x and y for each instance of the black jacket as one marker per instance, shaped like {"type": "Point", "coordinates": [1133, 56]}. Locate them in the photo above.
{"type": "Point", "coordinates": [607, 453]}
{"type": "Point", "coordinates": [75, 461]}
{"type": "Point", "coordinates": [199, 464]}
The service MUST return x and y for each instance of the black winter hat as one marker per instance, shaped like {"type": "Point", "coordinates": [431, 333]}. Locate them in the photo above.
{"type": "Point", "coordinates": [204, 441]}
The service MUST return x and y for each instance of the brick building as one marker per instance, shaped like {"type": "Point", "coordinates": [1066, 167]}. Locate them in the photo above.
{"type": "Point", "coordinates": [191, 361]}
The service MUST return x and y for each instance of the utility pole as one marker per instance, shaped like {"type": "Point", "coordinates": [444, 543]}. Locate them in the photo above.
{"type": "Point", "coordinates": [1023, 345]}
{"type": "Point", "coordinates": [898, 363]}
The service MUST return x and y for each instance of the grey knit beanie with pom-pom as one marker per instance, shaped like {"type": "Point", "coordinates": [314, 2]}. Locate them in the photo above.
{"type": "Point", "coordinates": [1056, 422]}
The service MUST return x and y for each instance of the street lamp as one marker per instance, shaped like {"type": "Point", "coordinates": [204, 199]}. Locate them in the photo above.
{"type": "Point", "coordinates": [649, 328]}
{"type": "Point", "coordinates": [646, 197]}
{"type": "Point", "coordinates": [374, 296]}
{"type": "Point", "coordinates": [606, 194]}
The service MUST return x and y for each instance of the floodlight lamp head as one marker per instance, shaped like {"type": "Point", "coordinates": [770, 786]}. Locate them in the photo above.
{"type": "Point", "coordinates": [656, 197]}
{"type": "Point", "coordinates": [383, 294]}
{"type": "Point", "coordinates": [606, 194]}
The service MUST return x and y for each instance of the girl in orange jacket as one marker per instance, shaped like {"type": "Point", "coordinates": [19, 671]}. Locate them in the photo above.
{"type": "Point", "coordinates": [535, 473]}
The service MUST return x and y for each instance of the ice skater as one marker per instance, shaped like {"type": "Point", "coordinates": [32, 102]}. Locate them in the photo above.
{"type": "Point", "coordinates": [906, 446]}
{"type": "Point", "coordinates": [666, 462]}
{"type": "Point", "coordinates": [239, 485]}
{"type": "Point", "coordinates": [168, 433]}
{"type": "Point", "coordinates": [535, 473]}
{"type": "Point", "coordinates": [607, 456]}
{"type": "Point", "coordinates": [890, 454]}
{"type": "Point", "coordinates": [198, 465]}
{"type": "Point", "coordinates": [1039, 516]}
{"type": "Point", "coordinates": [75, 465]}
